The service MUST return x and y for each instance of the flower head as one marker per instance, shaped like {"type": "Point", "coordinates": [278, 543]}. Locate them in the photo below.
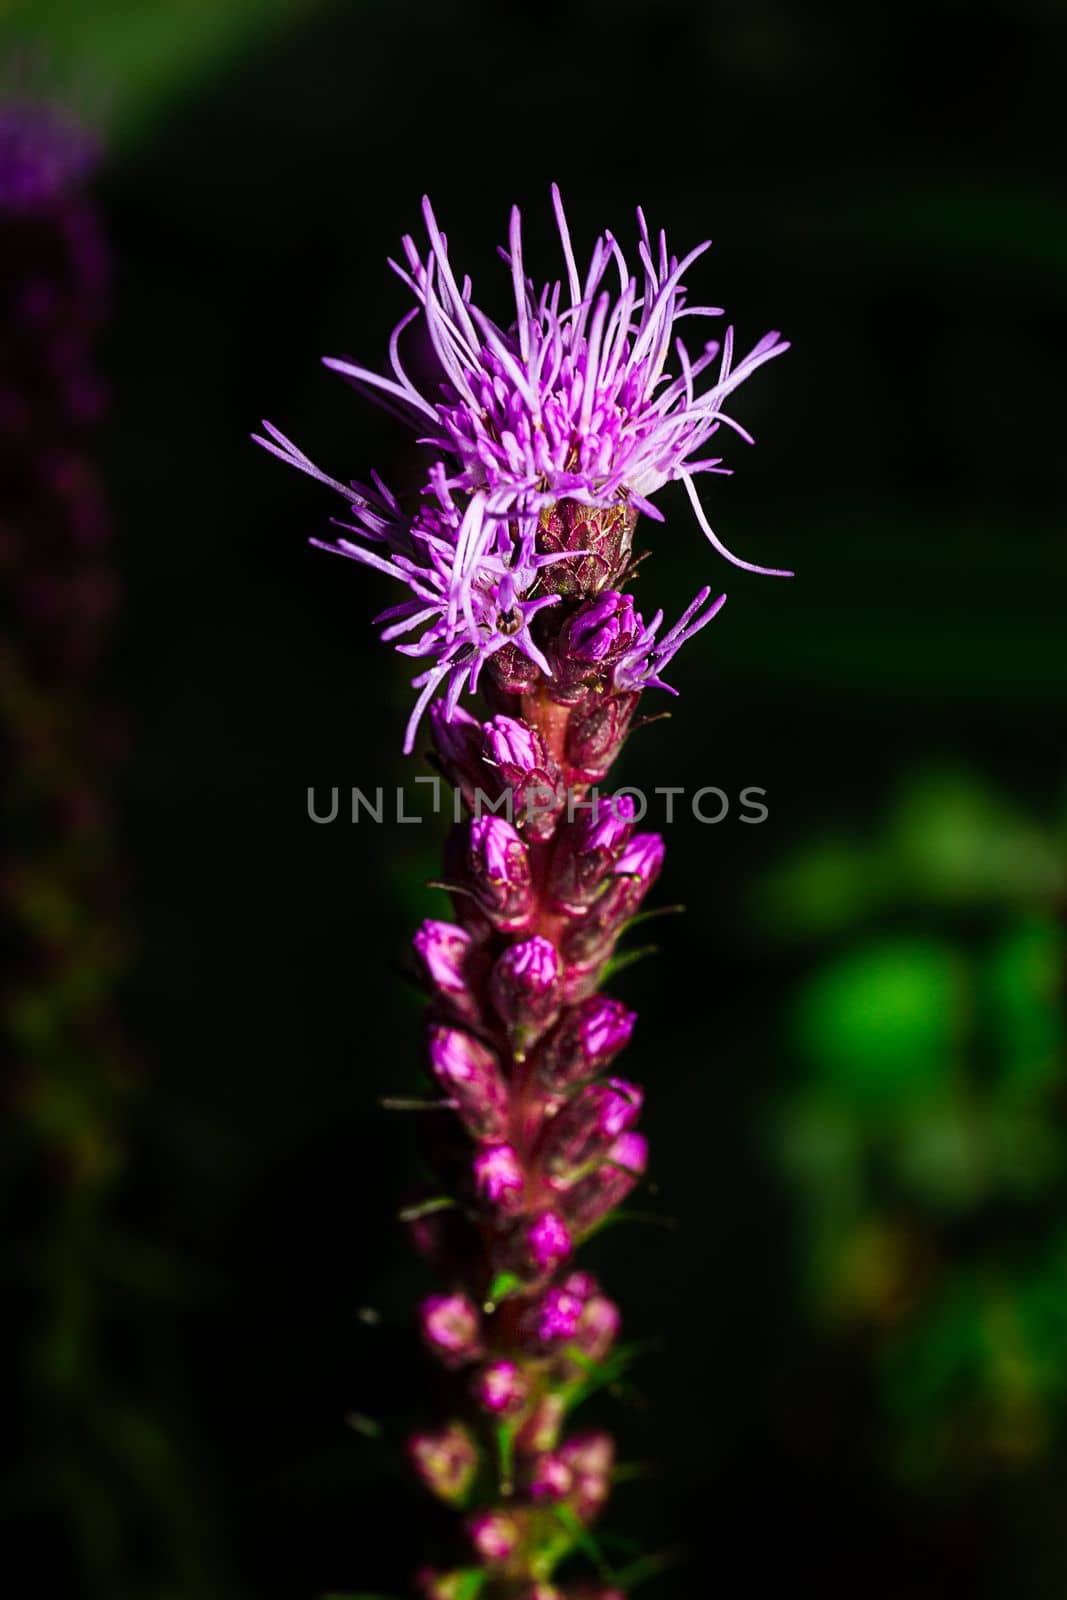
{"type": "Point", "coordinates": [573, 401]}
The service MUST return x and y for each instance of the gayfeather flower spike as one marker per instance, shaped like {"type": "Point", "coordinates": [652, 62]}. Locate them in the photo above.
{"type": "Point", "coordinates": [546, 440]}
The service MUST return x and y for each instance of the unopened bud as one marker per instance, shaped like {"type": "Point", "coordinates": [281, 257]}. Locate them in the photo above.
{"type": "Point", "coordinates": [541, 1429]}
{"type": "Point", "coordinates": [596, 732]}
{"type": "Point", "coordinates": [589, 1123]}
{"type": "Point", "coordinates": [593, 1196]}
{"type": "Point", "coordinates": [458, 744]}
{"type": "Point", "coordinates": [553, 1318]}
{"type": "Point", "coordinates": [444, 949]}
{"type": "Point", "coordinates": [499, 869]}
{"type": "Point", "coordinates": [524, 984]}
{"type": "Point", "coordinates": [524, 766]}
{"type": "Point", "coordinates": [501, 1388]}
{"type": "Point", "coordinates": [452, 1328]}
{"type": "Point", "coordinates": [498, 1177]}
{"type": "Point", "coordinates": [446, 1461]}
{"type": "Point", "coordinates": [591, 1458]}
{"type": "Point", "coordinates": [470, 1074]}
{"type": "Point", "coordinates": [599, 1323]}
{"type": "Point", "coordinates": [495, 1535]}
{"type": "Point", "coordinates": [550, 1478]}
{"type": "Point", "coordinates": [588, 849]}
{"type": "Point", "coordinates": [584, 1041]}
{"type": "Point", "coordinates": [535, 1247]}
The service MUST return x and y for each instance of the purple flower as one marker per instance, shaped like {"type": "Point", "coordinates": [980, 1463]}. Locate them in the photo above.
{"type": "Point", "coordinates": [598, 1327]}
{"type": "Point", "coordinates": [498, 1177]}
{"type": "Point", "coordinates": [591, 1458]}
{"type": "Point", "coordinates": [645, 658]}
{"type": "Point", "coordinates": [452, 1328]}
{"type": "Point", "coordinates": [541, 1245]}
{"type": "Point", "coordinates": [521, 759]}
{"type": "Point", "coordinates": [470, 1074]}
{"type": "Point", "coordinates": [574, 400]}
{"type": "Point", "coordinates": [601, 628]}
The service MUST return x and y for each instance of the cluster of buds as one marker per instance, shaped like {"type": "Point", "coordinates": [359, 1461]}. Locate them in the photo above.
{"type": "Point", "coordinates": [544, 874]}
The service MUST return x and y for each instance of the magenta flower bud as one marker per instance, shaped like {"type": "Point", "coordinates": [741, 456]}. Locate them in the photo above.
{"type": "Point", "coordinates": [536, 1246]}
{"type": "Point", "coordinates": [458, 746]}
{"type": "Point", "coordinates": [495, 1535]}
{"type": "Point", "coordinates": [501, 1388]}
{"type": "Point", "coordinates": [548, 1241]}
{"type": "Point", "coordinates": [499, 867]}
{"type": "Point", "coordinates": [599, 1192]}
{"type": "Point", "coordinates": [499, 1178]}
{"type": "Point", "coordinates": [588, 850]}
{"type": "Point", "coordinates": [600, 1321]}
{"type": "Point", "coordinates": [470, 1075]}
{"type": "Point", "coordinates": [446, 1461]}
{"type": "Point", "coordinates": [642, 859]}
{"type": "Point", "coordinates": [600, 632]}
{"type": "Point", "coordinates": [584, 1130]}
{"type": "Point", "coordinates": [602, 536]}
{"type": "Point", "coordinates": [524, 766]}
{"type": "Point", "coordinates": [550, 1478]}
{"type": "Point", "coordinates": [443, 949]}
{"type": "Point", "coordinates": [591, 1458]}
{"type": "Point", "coordinates": [596, 732]}
{"type": "Point", "coordinates": [524, 984]}
{"type": "Point", "coordinates": [543, 1591]}
{"type": "Point", "coordinates": [585, 1040]}
{"type": "Point", "coordinates": [634, 873]}
{"type": "Point", "coordinates": [514, 746]}
{"type": "Point", "coordinates": [554, 1317]}
{"type": "Point", "coordinates": [452, 1328]}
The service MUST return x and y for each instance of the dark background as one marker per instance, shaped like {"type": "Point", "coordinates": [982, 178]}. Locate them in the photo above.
{"type": "Point", "coordinates": [887, 187]}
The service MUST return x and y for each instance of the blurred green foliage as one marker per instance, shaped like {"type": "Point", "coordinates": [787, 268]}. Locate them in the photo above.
{"type": "Point", "coordinates": [925, 1140]}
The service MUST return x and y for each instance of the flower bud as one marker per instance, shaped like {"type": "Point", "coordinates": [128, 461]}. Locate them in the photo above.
{"type": "Point", "coordinates": [446, 1461]}
{"type": "Point", "coordinates": [495, 1535]}
{"type": "Point", "coordinates": [458, 747]}
{"type": "Point", "coordinates": [588, 1124]}
{"type": "Point", "coordinates": [443, 950]}
{"type": "Point", "coordinates": [524, 766]}
{"type": "Point", "coordinates": [470, 1075]}
{"type": "Point", "coordinates": [498, 1176]}
{"type": "Point", "coordinates": [543, 1591]}
{"type": "Point", "coordinates": [599, 1323]}
{"type": "Point", "coordinates": [550, 1478]}
{"type": "Point", "coordinates": [599, 1192]}
{"type": "Point", "coordinates": [524, 984]}
{"type": "Point", "coordinates": [452, 1328]}
{"type": "Point", "coordinates": [596, 732]}
{"type": "Point", "coordinates": [535, 1246]}
{"type": "Point", "coordinates": [499, 869]}
{"type": "Point", "coordinates": [591, 1458]}
{"type": "Point", "coordinates": [635, 871]}
{"type": "Point", "coordinates": [584, 1041]}
{"type": "Point", "coordinates": [553, 1318]}
{"type": "Point", "coordinates": [588, 849]}
{"type": "Point", "coordinates": [501, 1388]}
